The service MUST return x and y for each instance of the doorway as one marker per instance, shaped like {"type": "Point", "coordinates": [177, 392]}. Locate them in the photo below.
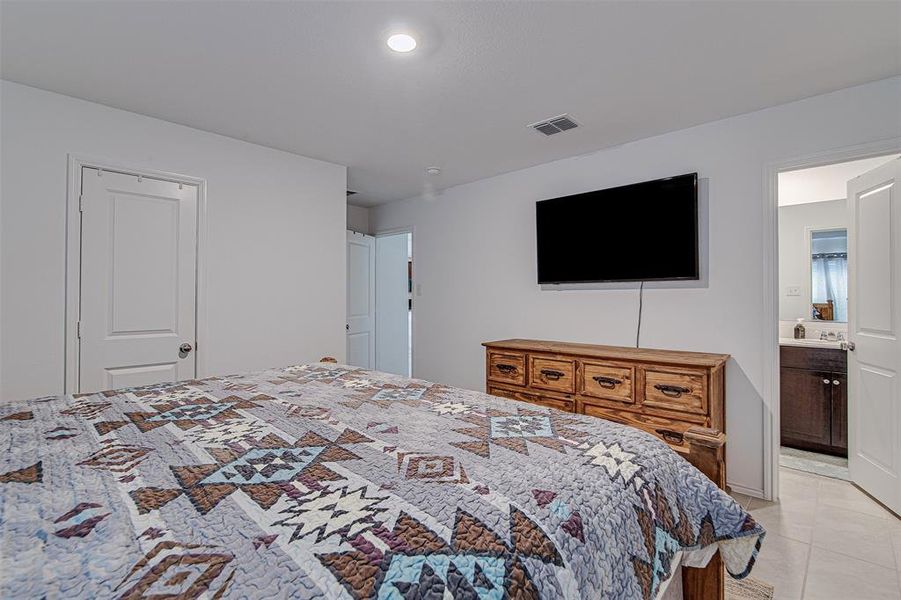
{"type": "Point", "coordinates": [394, 303]}
{"type": "Point", "coordinates": [132, 277]}
{"type": "Point", "coordinates": [829, 236]}
{"type": "Point", "coordinates": [380, 302]}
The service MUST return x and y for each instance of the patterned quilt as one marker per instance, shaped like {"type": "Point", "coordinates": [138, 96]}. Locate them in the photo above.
{"type": "Point", "coordinates": [327, 481]}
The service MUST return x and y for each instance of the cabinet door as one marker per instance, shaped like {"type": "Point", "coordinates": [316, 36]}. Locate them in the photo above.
{"type": "Point", "coordinates": [840, 411]}
{"type": "Point", "coordinates": [806, 405]}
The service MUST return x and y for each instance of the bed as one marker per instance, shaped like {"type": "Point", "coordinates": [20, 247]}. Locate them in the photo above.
{"type": "Point", "coordinates": [329, 481]}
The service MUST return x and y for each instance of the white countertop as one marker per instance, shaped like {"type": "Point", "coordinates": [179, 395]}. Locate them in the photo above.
{"type": "Point", "coordinates": [810, 343]}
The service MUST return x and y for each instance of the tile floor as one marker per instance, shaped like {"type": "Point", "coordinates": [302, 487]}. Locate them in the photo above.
{"type": "Point", "coordinates": [827, 540]}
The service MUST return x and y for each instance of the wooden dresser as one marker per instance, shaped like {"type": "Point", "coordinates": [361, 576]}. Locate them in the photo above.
{"type": "Point", "coordinates": [677, 396]}
{"type": "Point", "coordinates": [664, 392]}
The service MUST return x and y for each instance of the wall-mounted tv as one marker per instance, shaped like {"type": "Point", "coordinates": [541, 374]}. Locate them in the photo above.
{"type": "Point", "coordinates": [641, 232]}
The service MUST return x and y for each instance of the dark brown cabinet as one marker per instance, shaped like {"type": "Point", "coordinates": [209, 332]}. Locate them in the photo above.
{"type": "Point", "coordinates": [813, 398]}
{"type": "Point", "coordinates": [840, 413]}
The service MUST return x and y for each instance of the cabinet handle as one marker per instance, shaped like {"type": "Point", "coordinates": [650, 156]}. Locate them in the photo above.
{"type": "Point", "coordinates": [607, 382]}
{"type": "Point", "coordinates": [552, 374]}
{"type": "Point", "coordinates": [826, 381]}
{"type": "Point", "coordinates": [673, 391]}
{"type": "Point", "coordinates": [673, 437]}
{"type": "Point", "coordinates": [836, 382]}
{"type": "Point", "coordinates": [504, 368]}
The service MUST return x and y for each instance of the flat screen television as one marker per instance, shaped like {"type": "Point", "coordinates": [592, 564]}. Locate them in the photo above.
{"type": "Point", "coordinates": [641, 232]}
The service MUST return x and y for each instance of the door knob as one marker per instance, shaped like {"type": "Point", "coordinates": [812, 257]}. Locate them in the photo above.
{"type": "Point", "coordinates": [347, 326]}
{"type": "Point", "coordinates": [185, 348]}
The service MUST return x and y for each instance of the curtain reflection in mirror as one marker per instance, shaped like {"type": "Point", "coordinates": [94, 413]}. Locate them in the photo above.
{"type": "Point", "coordinates": [829, 275]}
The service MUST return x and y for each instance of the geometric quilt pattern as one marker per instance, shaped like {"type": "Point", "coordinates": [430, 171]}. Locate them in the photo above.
{"type": "Point", "coordinates": [517, 430]}
{"type": "Point", "coordinates": [329, 481]}
{"type": "Point", "coordinates": [263, 472]}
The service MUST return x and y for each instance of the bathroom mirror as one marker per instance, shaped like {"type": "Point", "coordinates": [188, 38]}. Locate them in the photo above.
{"type": "Point", "coordinates": [829, 275]}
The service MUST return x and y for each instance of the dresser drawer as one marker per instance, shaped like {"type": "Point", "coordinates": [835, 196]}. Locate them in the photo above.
{"type": "Point", "coordinates": [671, 431]}
{"type": "Point", "coordinates": [673, 389]}
{"type": "Point", "coordinates": [507, 367]}
{"type": "Point", "coordinates": [558, 403]}
{"type": "Point", "coordinates": [612, 382]}
{"type": "Point", "coordinates": [555, 374]}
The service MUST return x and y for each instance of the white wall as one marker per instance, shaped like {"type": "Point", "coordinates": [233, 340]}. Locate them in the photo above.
{"type": "Point", "coordinates": [475, 252]}
{"type": "Point", "coordinates": [794, 252]}
{"type": "Point", "coordinates": [275, 230]}
{"type": "Point", "coordinates": [825, 182]}
{"type": "Point", "coordinates": [358, 218]}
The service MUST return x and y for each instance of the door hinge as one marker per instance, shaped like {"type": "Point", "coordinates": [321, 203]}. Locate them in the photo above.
{"type": "Point", "coordinates": [78, 329]}
{"type": "Point", "coordinates": [81, 203]}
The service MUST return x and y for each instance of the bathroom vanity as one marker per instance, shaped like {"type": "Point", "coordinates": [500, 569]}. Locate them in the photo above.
{"type": "Point", "coordinates": [814, 396]}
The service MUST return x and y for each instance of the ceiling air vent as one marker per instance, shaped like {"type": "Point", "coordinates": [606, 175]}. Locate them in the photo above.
{"type": "Point", "coordinates": [554, 125]}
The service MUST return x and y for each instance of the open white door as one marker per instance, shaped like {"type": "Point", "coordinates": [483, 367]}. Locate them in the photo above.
{"type": "Point", "coordinates": [138, 274]}
{"type": "Point", "coordinates": [360, 300]}
{"type": "Point", "coordinates": [874, 318]}
{"type": "Point", "coordinates": [392, 303]}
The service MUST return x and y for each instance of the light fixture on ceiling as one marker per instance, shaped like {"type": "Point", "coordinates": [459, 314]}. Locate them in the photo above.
{"type": "Point", "coordinates": [433, 171]}
{"type": "Point", "coordinates": [402, 42]}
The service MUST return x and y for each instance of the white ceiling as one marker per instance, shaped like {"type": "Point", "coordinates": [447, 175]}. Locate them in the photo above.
{"type": "Point", "coordinates": [317, 79]}
{"type": "Point", "coordinates": [829, 182]}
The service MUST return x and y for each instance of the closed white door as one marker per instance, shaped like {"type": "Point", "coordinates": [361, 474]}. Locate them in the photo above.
{"type": "Point", "coordinates": [874, 318]}
{"type": "Point", "coordinates": [138, 274]}
{"type": "Point", "coordinates": [360, 300]}
{"type": "Point", "coordinates": [392, 303]}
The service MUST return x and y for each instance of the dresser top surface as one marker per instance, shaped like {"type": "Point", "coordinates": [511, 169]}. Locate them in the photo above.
{"type": "Point", "coordinates": [697, 359]}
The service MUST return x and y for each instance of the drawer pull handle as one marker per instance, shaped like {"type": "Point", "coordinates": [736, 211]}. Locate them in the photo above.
{"type": "Point", "coordinates": [673, 437]}
{"type": "Point", "coordinates": [552, 374]}
{"type": "Point", "coordinates": [607, 382]}
{"type": "Point", "coordinates": [673, 391]}
{"type": "Point", "coordinates": [504, 368]}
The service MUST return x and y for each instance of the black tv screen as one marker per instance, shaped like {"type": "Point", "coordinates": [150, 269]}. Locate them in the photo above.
{"type": "Point", "coordinates": [640, 232]}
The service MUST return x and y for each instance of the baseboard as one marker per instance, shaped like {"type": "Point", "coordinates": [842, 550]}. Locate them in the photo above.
{"type": "Point", "coordinates": [754, 493]}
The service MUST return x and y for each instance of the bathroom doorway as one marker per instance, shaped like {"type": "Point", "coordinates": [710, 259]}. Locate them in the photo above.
{"type": "Point", "coordinates": [814, 218]}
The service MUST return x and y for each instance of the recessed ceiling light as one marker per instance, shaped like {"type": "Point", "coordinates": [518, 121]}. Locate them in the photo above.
{"type": "Point", "coordinates": [402, 42]}
{"type": "Point", "coordinates": [433, 171]}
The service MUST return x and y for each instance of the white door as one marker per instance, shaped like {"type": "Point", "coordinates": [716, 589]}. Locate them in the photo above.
{"type": "Point", "coordinates": [392, 303]}
{"type": "Point", "coordinates": [138, 273]}
{"type": "Point", "coordinates": [874, 318]}
{"type": "Point", "coordinates": [360, 300]}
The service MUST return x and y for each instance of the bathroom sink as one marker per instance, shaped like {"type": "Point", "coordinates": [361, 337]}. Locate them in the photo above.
{"type": "Point", "coordinates": [810, 343]}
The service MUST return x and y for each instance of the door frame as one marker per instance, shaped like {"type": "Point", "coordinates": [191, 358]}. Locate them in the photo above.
{"type": "Point", "coordinates": [75, 164]}
{"type": "Point", "coordinates": [412, 231]}
{"type": "Point", "coordinates": [770, 355]}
